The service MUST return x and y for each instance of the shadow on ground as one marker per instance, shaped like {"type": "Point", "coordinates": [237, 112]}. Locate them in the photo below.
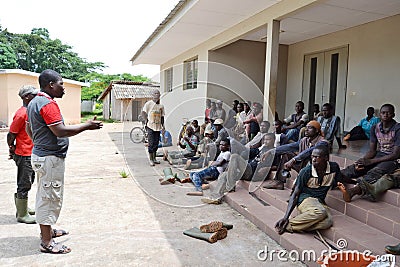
{"type": "Point", "coordinates": [176, 212]}
{"type": "Point", "coordinates": [7, 219]}
{"type": "Point", "coordinates": [14, 244]}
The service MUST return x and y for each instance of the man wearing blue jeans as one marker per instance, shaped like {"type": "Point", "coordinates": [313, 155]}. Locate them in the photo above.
{"type": "Point", "coordinates": [216, 168]}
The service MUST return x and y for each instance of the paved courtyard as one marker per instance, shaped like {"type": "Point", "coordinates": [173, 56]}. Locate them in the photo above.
{"type": "Point", "coordinates": [133, 221]}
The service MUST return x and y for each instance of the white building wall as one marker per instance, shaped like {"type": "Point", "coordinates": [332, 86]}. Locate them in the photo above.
{"type": "Point", "coordinates": [373, 66]}
{"type": "Point", "coordinates": [181, 103]}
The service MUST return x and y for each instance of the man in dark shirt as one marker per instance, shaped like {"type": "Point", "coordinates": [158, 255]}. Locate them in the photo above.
{"type": "Point", "coordinates": [50, 145]}
{"type": "Point", "coordinates": [330, 125]}
{"type": "Point", "coordinates": [312, 185]}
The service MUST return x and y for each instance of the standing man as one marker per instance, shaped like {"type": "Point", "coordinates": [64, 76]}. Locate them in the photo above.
{"type": "Point", "coordinates": [154, 113]}
{"type": "Point", "coordinates": [20, 147]}
{"type": "Point", "coordinates": [50, 139]}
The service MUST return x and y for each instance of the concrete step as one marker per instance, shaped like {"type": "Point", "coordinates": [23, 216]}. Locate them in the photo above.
{"type": "Point", "coordinates": [265, 217]}
{"type": "Point", "coordinates": [358, 235]}
{"type": "Point", "coordinates": [380, 215]}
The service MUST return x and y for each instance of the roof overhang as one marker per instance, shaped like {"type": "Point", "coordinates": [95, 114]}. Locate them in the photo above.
{"type": "Point", "coordinates": [193, 22]}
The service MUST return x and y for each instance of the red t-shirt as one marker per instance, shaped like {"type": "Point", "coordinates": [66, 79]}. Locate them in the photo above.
{"type": "Point", "coordinates": [24, 143]}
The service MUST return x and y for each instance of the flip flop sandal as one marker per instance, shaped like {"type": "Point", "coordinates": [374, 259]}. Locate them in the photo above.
{"type": "Point", "coordinates": [58, 233]}
{"type": "Point", "coordinates": [54, 248]}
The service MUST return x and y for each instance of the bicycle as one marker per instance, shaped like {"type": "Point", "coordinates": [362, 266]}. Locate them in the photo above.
{"type": "Point", "coordinates": [138, 134]}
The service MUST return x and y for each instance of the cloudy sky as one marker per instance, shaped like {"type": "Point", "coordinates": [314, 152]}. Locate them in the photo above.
{"type": "Point", "coordinates": [106, 31]}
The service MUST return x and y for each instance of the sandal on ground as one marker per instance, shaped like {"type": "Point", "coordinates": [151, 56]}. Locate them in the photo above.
{"type": "Point", "coordinates": [54, 248]}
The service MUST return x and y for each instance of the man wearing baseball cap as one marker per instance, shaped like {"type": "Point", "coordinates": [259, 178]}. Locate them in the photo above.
{"type": "Point", "coordinates": [20, 150]}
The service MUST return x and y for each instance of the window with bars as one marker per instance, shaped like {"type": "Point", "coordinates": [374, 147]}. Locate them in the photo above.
{"type": "Point", "coordinates": [190, 74]}
{"type": "Point", "coordinates": [168, 79]}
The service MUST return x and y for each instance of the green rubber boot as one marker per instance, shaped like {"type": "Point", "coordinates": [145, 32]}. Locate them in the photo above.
{"type": "Point", "coordinates": [395, 250]}
{"type": "Point", "coordinates": [151, 159]}
{"type": "Point", "coordinates": [209, 237]}
{"type": "Point", "coordinates": [30, 211]}
{"type": "Point", "coordinates": [155, 158]}
{"type": "Point", "coordinates": [169, 177]}
{"type": "Point", "coordinates": [377, 189]}
{"type": "Point", "coordinates": [22, 211]}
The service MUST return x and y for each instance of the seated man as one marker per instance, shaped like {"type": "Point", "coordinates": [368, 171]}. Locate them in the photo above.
{"type": "Point", "coordinates": [220, 132]}
{"type": "Point", "coordinates": [256, 142]}
{"type": "Point", "coordinates": [239, 169]}
{"type": "Point", "coordinates": [189, 143]}
{"type": "Point", "coordinates": [295, 122]}
{"type": "Point", "coordinates": [165, 138]}
{"type": "Point", "coordinates": [363, 129]}
{"type": "Point", "coordinates": [384, 151]}
{"type": "Point", "coordinates": [312, 185]}
{"type": "Point", "coordinates": [289, 160]}
{"type": "Point", "coordinates": [206, 152]}
{"type": "Point", "coordinates": [330, 125]}
{"type": "Point", "coordinates": [216, 168]}
{"type": "Point", "coordinates": [253, 121]}
{"type": "Point", "coordinates": [280, 137]}
{"type": "Point", "coordinates": [196, 129]}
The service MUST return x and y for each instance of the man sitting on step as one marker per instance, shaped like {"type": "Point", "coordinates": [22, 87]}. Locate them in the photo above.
{"type": "Point", "coordinates": [289, 160]}
{"type": "Point", "coordinates": [216, 168]}
{"type": "Point", "coordinates": [381, 158]}
{"type": "Point", "coordinates": [239, 168]}
{"type": "Point", "coordinates": [312, 185]}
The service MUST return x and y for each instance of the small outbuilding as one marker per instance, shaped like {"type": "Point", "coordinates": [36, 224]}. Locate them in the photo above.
{"type": "Point", "coordinates": [123, 100]}
{"type": "Point", "coordinates": [11, 80]}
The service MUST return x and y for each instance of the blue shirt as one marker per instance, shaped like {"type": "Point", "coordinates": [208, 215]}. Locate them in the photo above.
{"type": "Point", "coordinates": [367, 125]}
{"type": "Point", "coordinates": [168, 139]}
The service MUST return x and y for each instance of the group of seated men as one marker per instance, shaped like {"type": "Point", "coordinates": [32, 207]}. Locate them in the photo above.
{"type": "Point", "coordinates": [373, 174]}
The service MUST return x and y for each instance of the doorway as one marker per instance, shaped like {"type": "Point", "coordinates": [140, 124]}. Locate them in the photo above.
{"type": "Point", "coordinates": [325, 80]}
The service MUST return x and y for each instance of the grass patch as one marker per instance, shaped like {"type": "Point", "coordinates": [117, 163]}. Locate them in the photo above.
{"type": "Point", "coordinates": [123, 174]}
{"type": "Point", "coordinates": [85, 116]}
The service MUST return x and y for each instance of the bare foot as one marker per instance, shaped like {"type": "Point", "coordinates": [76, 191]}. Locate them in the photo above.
{"type": "Point", "coordinates": [346, 194]}
{"type": "Point", "coordinates": [195, 193]}
{"type": "Point", "coordinates": [205, 186]}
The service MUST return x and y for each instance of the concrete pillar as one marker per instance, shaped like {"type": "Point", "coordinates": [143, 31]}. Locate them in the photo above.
{"type": "Point", "coordinates": [271, 70]}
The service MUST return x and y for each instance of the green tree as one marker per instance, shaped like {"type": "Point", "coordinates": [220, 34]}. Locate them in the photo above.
{"type": "Point", "coordinates": [37, 51]}
{"type": "Point", "coordinates": [8, 60]}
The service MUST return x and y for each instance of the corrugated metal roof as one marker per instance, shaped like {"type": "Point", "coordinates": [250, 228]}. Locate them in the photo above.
{"type": "Point", "coordinates": [133, 91]}
{"type": "Point", "coordinates": [129, 89]}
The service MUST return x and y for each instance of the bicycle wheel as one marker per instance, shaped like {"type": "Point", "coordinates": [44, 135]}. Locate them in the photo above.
{"type": "Point", "coordinates": [137, 135]}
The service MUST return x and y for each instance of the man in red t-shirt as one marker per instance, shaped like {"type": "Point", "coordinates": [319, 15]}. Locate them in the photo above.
{"type": "Point", "coordinates": [20, 148]}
